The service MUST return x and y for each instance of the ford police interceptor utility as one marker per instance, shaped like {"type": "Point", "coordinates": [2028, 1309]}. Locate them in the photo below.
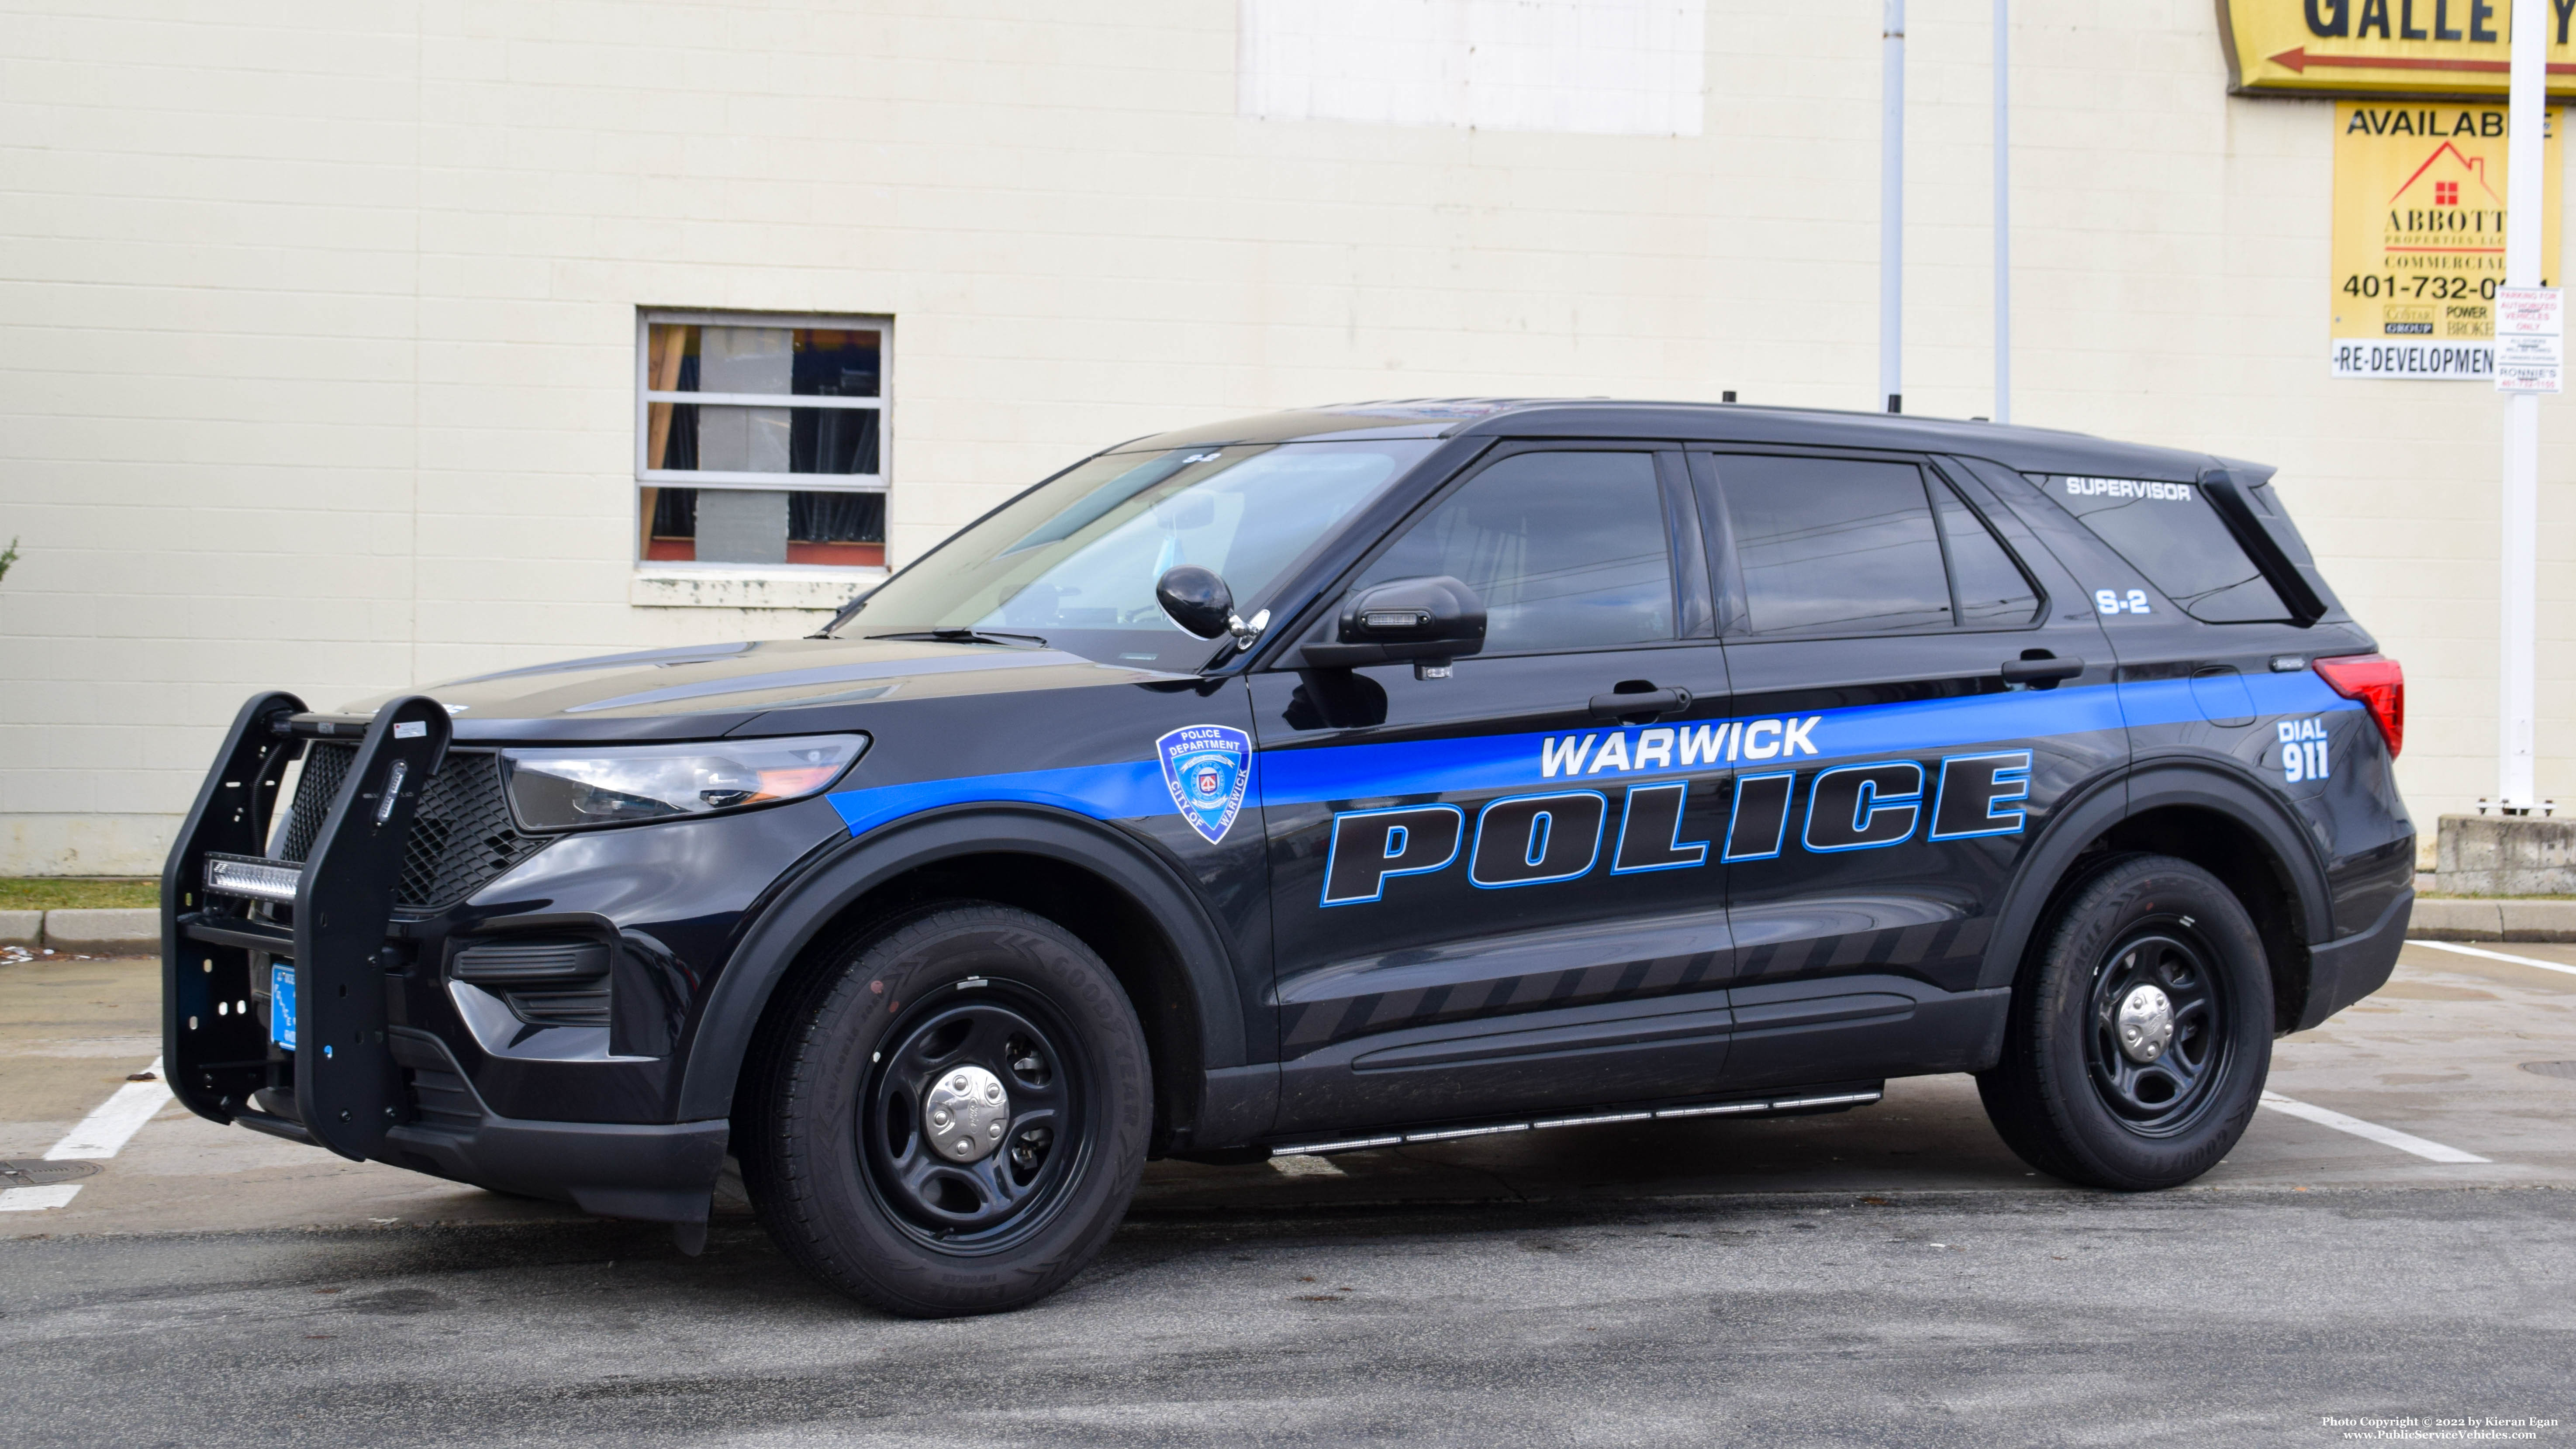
{"type": "Point", "coordinates": [1331, 780]}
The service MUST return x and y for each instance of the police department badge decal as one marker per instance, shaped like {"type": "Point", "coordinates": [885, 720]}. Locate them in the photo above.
{"type": "Point", "coordinates": [1208, 768]}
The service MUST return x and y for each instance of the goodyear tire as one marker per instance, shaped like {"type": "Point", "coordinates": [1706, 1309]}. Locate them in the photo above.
{"type": "Point", "coordinates": [951, 1117]}
{"type": "Point", "coordinates": [2141, 1036]}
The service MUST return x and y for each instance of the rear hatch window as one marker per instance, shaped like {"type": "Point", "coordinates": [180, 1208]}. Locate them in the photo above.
{"type": "Point", "coordinates": [2171, 533]}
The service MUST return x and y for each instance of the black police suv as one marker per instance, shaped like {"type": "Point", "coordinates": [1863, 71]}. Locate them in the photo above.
{"type": "Point", "coordinates": [1331, 780]}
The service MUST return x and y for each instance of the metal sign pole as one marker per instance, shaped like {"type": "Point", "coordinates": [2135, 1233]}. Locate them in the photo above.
{"type": "Point", "coordinates": [1891, 209]}
{"type": "Point", "coordinates": [2517, 661]}
{"type": "Point", "coordinates": [2003, 211]}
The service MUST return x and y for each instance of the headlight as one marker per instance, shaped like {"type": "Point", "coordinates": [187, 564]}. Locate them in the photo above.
{"type": "Point", "coordinates": [614, 785]}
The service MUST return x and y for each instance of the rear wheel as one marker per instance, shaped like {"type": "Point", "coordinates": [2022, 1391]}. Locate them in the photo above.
{"type": "Point", "coordinates": [2140, 1041]}
{"type": "Point", "coordinates": [953, 1118]}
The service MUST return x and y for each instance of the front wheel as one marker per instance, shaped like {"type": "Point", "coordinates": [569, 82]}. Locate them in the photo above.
{"type": "Point", "coordinates": [2140, 1040]}
{"type": "Point", "coordinates": [952, 1118]}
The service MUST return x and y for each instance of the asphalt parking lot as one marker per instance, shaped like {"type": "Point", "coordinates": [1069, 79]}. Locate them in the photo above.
{"type": "Point", "coordinates": [2393, 1239]}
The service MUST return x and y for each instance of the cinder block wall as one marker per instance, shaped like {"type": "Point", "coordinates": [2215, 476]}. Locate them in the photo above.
{"type": "Point", "coordinates": [319, 319]}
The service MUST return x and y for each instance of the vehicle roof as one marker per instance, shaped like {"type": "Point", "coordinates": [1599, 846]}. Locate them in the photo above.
{"type": "Point", "coordinates": [2029, 450]}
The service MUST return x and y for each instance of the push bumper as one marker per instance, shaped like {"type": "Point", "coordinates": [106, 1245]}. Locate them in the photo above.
{"type": "Point", "coordinates": [348, 1077]}
{"type": "Point", "coordinates": [2343, 972]}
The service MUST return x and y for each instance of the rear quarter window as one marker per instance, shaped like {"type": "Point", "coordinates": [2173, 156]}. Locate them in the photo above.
{"type": "Point", "coordinates": [2171, 533]}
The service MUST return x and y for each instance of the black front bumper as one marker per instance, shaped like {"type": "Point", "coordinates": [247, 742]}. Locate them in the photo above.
{"type": "Point", "coordinates": [657, 1172]}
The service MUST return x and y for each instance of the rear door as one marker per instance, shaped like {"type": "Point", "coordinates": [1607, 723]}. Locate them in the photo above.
{"type": "Point", "coordinates": [1938, 694]}
{"type": "Point", "coordinates": [2213, 662]}
{"type": "Point", "coordinates": [1483, 902]}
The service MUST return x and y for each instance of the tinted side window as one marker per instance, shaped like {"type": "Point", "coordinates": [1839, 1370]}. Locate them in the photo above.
{"type": "Point", "coordinates": [1992, 588]}
{"type": "Point", "coordinates": [1833, 543]}
{"type": "Point", "coordinates": [1568, 551]}
{"type": "Point", "coordinates": [2170, 533]}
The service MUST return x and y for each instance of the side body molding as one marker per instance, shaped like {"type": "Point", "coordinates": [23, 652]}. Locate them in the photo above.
{"type": "Point", "coordinates": [808, 905]}
{"type": "Point", "coordinates": [2155, 785]}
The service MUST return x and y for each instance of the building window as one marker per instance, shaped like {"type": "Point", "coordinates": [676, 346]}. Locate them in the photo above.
{"type": "Point", "coordinates": [761, 440]}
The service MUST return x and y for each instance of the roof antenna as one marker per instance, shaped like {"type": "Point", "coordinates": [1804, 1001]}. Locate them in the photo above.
{"type": "Point", "coordinates": [1896, 402]}
{"type": "Point", "coordinates": [1727, 396]}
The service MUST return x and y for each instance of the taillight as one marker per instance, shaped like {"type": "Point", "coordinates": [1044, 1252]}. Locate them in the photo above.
{"type": "Point", "coordinates": [2379, 682]}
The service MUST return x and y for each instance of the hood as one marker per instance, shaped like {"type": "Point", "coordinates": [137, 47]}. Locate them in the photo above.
{"type": "Point", "coordinates": [771, 687]}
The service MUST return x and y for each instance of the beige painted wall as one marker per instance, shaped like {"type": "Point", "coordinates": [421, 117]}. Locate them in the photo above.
{"type": "Point", "coordinates": [317, 320]}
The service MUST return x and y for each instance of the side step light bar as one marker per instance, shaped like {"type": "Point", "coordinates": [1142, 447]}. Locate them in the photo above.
{"type": "Point", "coordinates": [1445, 1134]}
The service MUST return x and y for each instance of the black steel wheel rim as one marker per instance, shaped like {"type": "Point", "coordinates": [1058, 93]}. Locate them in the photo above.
{"type": "Point", "coordinates": [1004, 1196]}
{"type": "Point", "coordinates": [2167, 1093]}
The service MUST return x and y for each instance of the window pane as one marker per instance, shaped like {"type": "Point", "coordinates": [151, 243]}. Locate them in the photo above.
{"type": "Point", "coordinates": [836, 528]}
{"type": "Point", "coordinates": [1829, 543]}
{"type": "Point", "coordinates": [760, 526]}
{"type": "Point", "coordinates": [700, 437]}
{"type": "Point", "coordinates": [1075, 561]}
{"type": "Point", "coordinates": [2170, 533]}
{"type": "Point", "coordinates": [792, 361]}
{"type": "Point", "coordinates": [836, 362]}
{"type": "Point", "coordinates": [1992, 588]}
{"type": "Point", "coordinates": [1568, 551]}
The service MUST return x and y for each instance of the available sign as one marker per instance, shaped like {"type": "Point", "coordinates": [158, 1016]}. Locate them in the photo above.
{"type": "Point", "coordinates": [2530, 339]}
{"type": "Point", "coordinates": [2419, 215]}
{"type": "Point", "coordinates": [2442, 48]}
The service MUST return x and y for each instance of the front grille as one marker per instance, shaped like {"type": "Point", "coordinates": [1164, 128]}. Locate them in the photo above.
{"type": "Point", "coordinates": [461, 836]}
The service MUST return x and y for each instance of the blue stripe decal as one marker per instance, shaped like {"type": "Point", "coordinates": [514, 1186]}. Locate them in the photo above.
{"type": "Point", "coordinates": [1134, 789]}
{"type": "Point", "coordinates": [1104, 792]}
{"type": "Point", "coordinates": [2169, 701]}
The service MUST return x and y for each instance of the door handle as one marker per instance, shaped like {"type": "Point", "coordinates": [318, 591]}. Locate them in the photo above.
{"type": "Point", "coordinates": [1650, 703]}
{"type": "Point", "coordinates": [2044, 673]}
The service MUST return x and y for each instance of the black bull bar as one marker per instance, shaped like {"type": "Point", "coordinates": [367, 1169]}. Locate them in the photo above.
{"type": "Point", "coordinates": [227, 910]}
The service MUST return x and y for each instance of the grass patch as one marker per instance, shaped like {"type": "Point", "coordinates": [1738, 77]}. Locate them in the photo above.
{"type": "Point", "coordinates": [73, 893]}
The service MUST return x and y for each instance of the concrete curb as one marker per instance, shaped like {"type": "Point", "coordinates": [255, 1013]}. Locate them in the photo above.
{"type": "Point", "coordinates": [2493, 920]}
{"type": "Point", "coordinates": [22, 928]}
{"type": "Point", "coordinates": [128, 932]}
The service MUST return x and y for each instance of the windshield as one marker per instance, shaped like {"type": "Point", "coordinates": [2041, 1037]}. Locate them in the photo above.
{"type": "Point", "coordinates": [1074, 562]}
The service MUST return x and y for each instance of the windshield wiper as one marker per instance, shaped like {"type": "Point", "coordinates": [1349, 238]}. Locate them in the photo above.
{"type": "Point", "coordinates": [966, 636]}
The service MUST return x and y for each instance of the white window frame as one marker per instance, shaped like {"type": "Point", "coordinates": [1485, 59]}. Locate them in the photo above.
{"type": "Point", "coordinates": [878, 482]}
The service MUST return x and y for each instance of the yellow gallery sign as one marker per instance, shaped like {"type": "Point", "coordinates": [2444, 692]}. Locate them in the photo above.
{"type": "Point", "coordinates": [2456, 48]}
{"type": "Point", "coordinates": [2419, 192]}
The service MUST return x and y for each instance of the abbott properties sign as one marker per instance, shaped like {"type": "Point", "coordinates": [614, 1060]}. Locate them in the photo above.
{"type": "Point", "coordinates": [2455, 48]}
{"type": "Point", "coordinates": [2419, 192]}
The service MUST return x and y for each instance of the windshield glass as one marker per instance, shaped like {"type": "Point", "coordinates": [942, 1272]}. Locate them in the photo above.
{"type": "Point", "coordinates": [1075, 562]}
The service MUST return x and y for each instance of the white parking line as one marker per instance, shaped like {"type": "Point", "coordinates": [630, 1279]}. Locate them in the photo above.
{"type": "Point", "coordinates": [2495, 956]}
{"type": "Point", "coordinates": [2385, 1136]}
{"type": "Point", "coordinates": [103, 1132]}
{"type": "Point", "coordinates": [31, 1199]}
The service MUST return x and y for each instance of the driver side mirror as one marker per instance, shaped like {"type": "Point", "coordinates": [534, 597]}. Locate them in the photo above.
{"type": "Point", "coordinates": [1433, 620]}
{"type": "Point", "coordinates": [1200, 602]}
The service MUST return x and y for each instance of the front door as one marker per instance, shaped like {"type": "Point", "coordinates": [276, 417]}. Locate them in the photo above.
{"type": "Point", "coordinates": [1499, 888]}
{"type": "Point", "coordinates": [1945, 692]}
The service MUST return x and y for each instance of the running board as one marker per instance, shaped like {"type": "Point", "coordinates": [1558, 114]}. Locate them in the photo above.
{"type": "Point", "coordinates": [1597, 1119]}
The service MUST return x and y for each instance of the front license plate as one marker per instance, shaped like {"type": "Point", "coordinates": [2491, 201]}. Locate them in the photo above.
{"type": "Point", "coordinates": [281, 1003]}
